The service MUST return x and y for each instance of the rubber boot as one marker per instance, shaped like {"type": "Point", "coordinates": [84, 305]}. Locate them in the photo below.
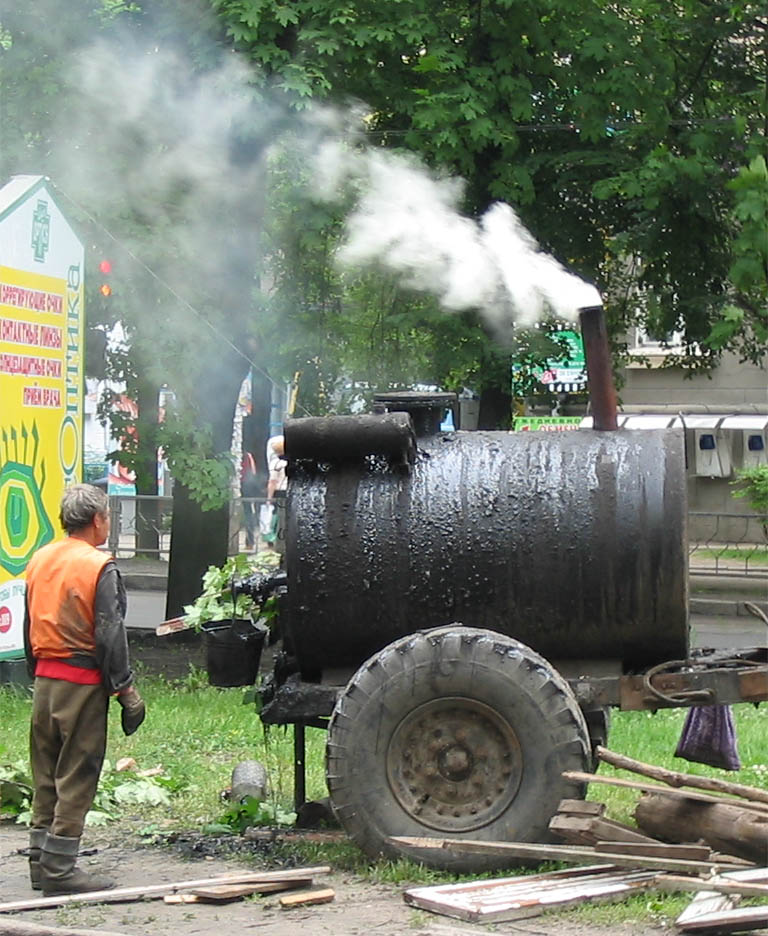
{"type": "Point", "coordinates": [58, 872]}
{"type": "Point", "coordinates": [36, 842]}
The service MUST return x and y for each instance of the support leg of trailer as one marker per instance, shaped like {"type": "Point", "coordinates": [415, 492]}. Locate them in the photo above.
{"type": "Point", "coordinates": [299, 772]}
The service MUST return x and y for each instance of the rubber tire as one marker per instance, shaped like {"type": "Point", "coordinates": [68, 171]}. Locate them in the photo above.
{"type": "Point", "coordinates": [453, 661]}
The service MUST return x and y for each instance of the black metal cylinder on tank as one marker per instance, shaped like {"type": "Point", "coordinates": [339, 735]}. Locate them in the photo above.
{"type": "Point", "coordinates": [572, 542]}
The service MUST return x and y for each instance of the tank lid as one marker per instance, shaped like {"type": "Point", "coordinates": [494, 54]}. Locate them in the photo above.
{"type": "Point", "coordinates": [426, 409]}
{"type": "Point", "coordinates": [407, 400]}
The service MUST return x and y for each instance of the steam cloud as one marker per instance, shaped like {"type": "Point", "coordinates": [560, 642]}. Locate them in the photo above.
{"type": "Point", "coordinates": [408, 221]}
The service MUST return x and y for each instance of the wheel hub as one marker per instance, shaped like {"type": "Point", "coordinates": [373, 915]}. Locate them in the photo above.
{"type": "Point", "coordinates": [454, 764]}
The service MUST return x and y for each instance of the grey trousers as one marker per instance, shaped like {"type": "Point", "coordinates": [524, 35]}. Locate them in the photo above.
{"type": "Point", "coordinates": [67, 742]}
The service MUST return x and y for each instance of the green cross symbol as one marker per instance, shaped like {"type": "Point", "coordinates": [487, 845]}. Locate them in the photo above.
{"type": "Point", "coordinates": [41, 230]}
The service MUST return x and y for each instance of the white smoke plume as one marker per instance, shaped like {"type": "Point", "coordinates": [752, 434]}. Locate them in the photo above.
{"type": "Point", "coordinates": [407, 221]}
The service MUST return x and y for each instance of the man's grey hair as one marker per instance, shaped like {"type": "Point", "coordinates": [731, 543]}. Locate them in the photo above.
{"type": "Point", "coordinates": [80, 503]}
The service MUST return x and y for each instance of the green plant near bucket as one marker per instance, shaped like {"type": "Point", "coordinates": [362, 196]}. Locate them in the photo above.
{"type": "Point", "coordinates": [215, 602]}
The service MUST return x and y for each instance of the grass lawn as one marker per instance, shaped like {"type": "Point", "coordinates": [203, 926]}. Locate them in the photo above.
{"type": "Point", "coordinates": [198, 734]}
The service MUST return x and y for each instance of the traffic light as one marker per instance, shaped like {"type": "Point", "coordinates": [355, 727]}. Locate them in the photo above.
{"type": "Point", "coordinates": [105, 268]}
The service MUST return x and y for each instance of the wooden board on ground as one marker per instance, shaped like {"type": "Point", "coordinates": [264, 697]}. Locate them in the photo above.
{"type": "Point", "coordinates": [575, 853]}
{"type": "Point", "coordinates": [709, 901]}
{"type": "Point", "coordinates": [588, 830]}
{"type": "Point", "coordinates": [580, 807]}
{"type": "Point", "coordinates": [515, 898]}
{"type": "Point", "coordinates": [308, 898]}
{"type": "Point", "coordinates": [159, 890]}
{"type": "Point", "coordinates": [740, 920]}
{"type": "Point", "coordinates": [704, 903]}
{"type": "Point", "coordinates": [720, 883]}
{"type": "Point", "coordinates": [224, 892]}
{"type": "Point", "coordinates": [656, 850]}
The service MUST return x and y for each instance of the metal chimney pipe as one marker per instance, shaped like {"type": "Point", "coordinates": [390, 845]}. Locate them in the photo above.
{"type": "Point", "coordinates": [602, 392]}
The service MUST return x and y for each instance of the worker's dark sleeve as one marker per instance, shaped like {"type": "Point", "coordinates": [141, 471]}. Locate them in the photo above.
{"type": "Point", "coordinates": [109, 630]}
{"type": "Point", "coordinates": [31, 662]}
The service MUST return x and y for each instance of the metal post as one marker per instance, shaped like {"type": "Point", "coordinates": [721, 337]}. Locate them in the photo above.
{"type": "Point", "coordinates": [299, 774]}
{"type": "Point", "coordinates": [115, 513]}
{"type": "Point", "coordinates": [602, 392]}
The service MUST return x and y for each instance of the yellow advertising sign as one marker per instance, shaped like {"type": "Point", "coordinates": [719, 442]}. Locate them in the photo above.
{"type": "Point", "coordinates": [41, 378]}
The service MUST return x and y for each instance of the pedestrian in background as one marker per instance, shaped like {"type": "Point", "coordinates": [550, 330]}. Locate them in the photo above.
{"type": "Point", "coordinates": [276, 488]}
{"type": "Point", "coordinates": [249, 488]}
{"type": "Point", "coordinates": [77, 650]}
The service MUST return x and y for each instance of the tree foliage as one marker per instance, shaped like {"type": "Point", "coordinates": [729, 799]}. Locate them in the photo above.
{"type": "Point", "coordinates": [626, 136]}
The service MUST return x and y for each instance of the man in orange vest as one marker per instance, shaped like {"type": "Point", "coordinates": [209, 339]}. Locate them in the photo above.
{"type": "Point", "coordinates": [77, 650]}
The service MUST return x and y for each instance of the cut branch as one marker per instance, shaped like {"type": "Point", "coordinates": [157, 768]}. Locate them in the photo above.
{"type": "Point", "coordinates": [676, 779]}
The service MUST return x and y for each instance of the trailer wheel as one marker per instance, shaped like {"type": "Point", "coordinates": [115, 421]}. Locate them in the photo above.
{"type": "Point", "coordinates": [454, 732]}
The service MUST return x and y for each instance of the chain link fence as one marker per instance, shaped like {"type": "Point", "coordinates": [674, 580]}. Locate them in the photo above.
{"type": "Point", "coordinates": [728, 544]}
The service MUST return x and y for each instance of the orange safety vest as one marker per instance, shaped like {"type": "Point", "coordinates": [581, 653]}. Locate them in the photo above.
{"type": "Point", "coordinates": [61, 589]}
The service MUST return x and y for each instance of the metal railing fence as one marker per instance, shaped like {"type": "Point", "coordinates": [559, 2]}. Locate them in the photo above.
{"type": "Point", "coordinates": [718, 543]}
{"type": "Point", "coordinates": [728, 543]}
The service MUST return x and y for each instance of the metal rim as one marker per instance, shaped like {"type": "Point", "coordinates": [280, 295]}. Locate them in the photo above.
{"type": "Point", "coordinates": [454, 764]}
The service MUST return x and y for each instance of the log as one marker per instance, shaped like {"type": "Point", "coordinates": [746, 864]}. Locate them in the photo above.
{"type": "Point", "coordinates": [676, 779]}
{"type": "Point", "coordinates": [581, 777]}
{"type": "Point", "coordinates": [723, 826]}
{"type": "Point", "coordinates": [159, 890]}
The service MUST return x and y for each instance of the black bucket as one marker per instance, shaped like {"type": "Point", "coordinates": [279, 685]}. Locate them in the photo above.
{"type": "Point", "coordinates": [233, 652]}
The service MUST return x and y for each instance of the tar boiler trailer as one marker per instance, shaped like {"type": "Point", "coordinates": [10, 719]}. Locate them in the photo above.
{"type": "Point", "coordinates": [465, 607]}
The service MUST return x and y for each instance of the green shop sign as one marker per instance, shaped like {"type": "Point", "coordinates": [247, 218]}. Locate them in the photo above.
{"type": "Point", "coordinates": [545, 423]}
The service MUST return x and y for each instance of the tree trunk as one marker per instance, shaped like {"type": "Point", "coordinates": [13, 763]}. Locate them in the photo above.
{"type": "Point", "coordinates": [495, 408]}
{"type": "Point", "coordinates": [200, 538]}
{"type": "Point", "coordinates": [147, 511]}
{"type": "Point", "coordinates": [727, 828]}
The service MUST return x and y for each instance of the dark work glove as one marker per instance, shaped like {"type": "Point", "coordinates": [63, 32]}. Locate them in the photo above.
{"type": "Point", "coordinates": [133, 710]}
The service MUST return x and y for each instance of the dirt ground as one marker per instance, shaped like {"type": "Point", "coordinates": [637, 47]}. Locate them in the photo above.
{"type": "Point", "coordinates": [359, 908]}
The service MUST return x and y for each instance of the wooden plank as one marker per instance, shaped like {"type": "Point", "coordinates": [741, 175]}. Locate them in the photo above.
{"type": "Point", "coordinates": [677, 779]}
{"type": "Point", "coordinates": [527, 895]}
{"type": "Point", "coordinates": [172, 626]}
{"type": "Point", "coordinates": [587, 830]}
{"type": "Point", "coordinates": [535, 852]}
{"type": "Point", "coordinates": [703, 903]}
{"type": "Point", "coordinates": [656, 850]}
{"type": "Point", "coordinates": [707, 901]}
{"type": "Point", "coordinates": [611, 831]}
{"type": "Point", "coordinates": [17, 928]}
{"type": "Point", "coordinates": [729, 921]}
{"type": "Point", "coordinates": [580, 807]}
{"type": "Point", "coordinates": [308, 898]}
{"type": "Point", "coordinates": [581, 777]}
{"type": "Point", "coordinates": [674, 882]}
{"type": "Point", "coordinates": [158, 890]}
{"type": "Point", "coordinates": [573, 829]}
